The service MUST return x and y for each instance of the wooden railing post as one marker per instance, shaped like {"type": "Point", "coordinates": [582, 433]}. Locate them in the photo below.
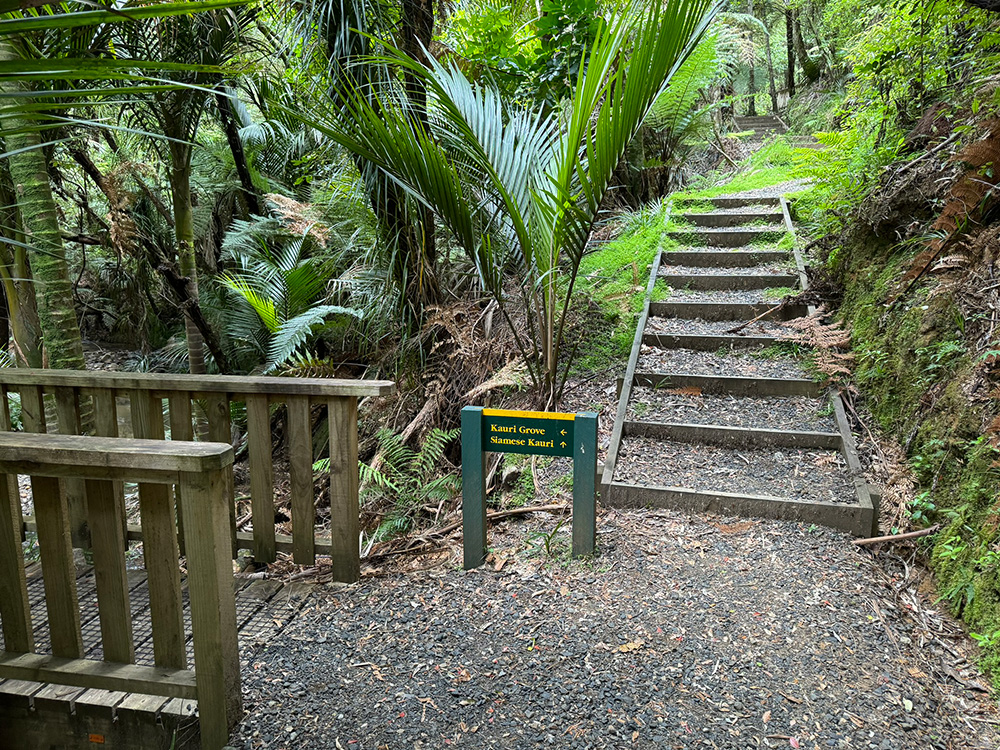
{"type": "Point", "coordinates": [345, 554]}
{"type": "Point", "coordinates": [159, 544]}
{"type": "Point", "coordinates": [213, 607]}
{"type": "Point", "coordinates": [261, 478]}
{"type": "Point", "coordinates": [300, 460]}
{"type": "Point", "coordinates": [15, 608]}
{"type": "Point", "coordinates": [68, 414]}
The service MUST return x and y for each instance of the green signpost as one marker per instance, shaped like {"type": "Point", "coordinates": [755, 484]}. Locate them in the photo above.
{"type": "Point", "coordinates": [533, 432]}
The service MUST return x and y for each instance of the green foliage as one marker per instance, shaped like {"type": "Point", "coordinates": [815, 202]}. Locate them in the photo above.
{"type": "Point", "coordinates": [772, 164]}
{"type": "Point", "coordinates": [520, 190]}
{"type": "Point", "coordinates": [406, 478]}
{"type": "Point", "coordinates": [543, 543]}
{"type": "Point", "coordinates": [277, 291]}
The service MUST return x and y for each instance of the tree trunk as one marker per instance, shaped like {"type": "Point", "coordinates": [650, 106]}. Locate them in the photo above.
{"type": "Point", "coordinates": [416, 35]}
{"type": "Point", "coordinates": [15, 276]}
{"type": "Point", "coordinates": [790, 49]}
{"type": "Point", "coordinates": [250, 194]}
{"type": "Point", "coordinates": [772, 89]}
{"type": "Point", "coordinates": [40, 222]}
{"type": "Point", "coordinates": [180, 189]}
{"type": "Point", "coordinates": [810, 67]}
{"type": "Point", "coordinates": [752, 80]}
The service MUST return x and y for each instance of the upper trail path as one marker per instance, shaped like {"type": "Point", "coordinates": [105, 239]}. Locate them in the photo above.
{"type": "Point", "coordinates": [685, 632]}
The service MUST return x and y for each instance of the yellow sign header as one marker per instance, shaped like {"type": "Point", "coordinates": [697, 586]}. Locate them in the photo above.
{"type": "Point", "coordinates": [527, 414]}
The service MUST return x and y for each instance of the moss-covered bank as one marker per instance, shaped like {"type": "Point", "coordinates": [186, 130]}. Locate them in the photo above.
{"type": "Point", "coordinates": [922, 371]}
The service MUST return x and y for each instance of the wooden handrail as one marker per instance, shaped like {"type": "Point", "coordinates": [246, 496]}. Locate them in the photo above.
{"type": "Point", "coordinates": [74, 393]}
{"type": "Point", "coordinates": [199, 470]}
{"type": "Point", "coordinates": [234, 384]}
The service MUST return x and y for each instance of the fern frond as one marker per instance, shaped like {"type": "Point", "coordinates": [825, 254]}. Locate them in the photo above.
{"type": "Point", "coordinates": [291, 334]}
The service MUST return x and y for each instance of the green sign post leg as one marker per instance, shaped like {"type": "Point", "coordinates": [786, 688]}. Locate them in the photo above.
{"type": "Point", "coordinates": [584, 481]}
{"type": "Point", "coordinates": [474, 488]}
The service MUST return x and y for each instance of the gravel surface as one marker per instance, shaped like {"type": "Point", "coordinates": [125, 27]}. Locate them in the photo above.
{"type": "Point", "coordinates": [810, 475]}
{"type": "Point", "coordinates": [752, 208]}
{"type": "Point", "coordinates": [737, 363]}
{"type": "Point", "coordinates": [772, 413]}
{"type": "Point", "coordinates": [773, 191]}
{"type": "Point", "coordinates": [745, 296]}
{"type": "Point", "coordinates": [764, 269]}
{"type": "Point", "coordinates": [683, 633]}
{"type": "Point", "coordinates": [699, 327]}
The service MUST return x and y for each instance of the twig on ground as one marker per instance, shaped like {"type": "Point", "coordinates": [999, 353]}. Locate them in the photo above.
{"type": "Point", "coordinates": [897, 537]}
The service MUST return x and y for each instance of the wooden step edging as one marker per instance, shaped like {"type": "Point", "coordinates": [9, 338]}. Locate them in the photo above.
{"type": "Point", "coordinates": [732, 385]}
{"type": "Point", "coordinates": [724, 258]}
{"type": "Point", "coordinates": [718, 282]}
{"type": "Point", "coordinates": [726, 436]}
{"type": "Point", "coordinates": [726, 237]}
{"type": "Point", "coordinates": [715, 311]}
{"type": "Point", "coordinates": [732, 219]}
{"type": "Point", "coordinates": [706, 342]}
{"type": "Point", "coordinates": [855, 519]}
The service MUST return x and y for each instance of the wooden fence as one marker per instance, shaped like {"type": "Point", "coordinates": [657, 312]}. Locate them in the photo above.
{"type": "Point", "coordinates": [201, 472]}
{"type": "Point", "coordinates": [90, 397]}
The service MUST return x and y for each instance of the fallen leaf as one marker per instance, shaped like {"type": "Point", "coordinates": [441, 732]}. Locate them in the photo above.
{"type": "Point", "coordinates": [767, 716]}
{"type": "Point", "coordinates": [631, 646]}
{"type": "Point", "coordinates": [907, 704]}
{"type": "Point", "coordinates": [692, 391]}
{"type": "Point", "coordinates": [793, 742]}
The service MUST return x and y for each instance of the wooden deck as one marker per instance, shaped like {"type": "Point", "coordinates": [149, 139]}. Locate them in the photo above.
{"type": "Point", "coordinates": [38, 715]}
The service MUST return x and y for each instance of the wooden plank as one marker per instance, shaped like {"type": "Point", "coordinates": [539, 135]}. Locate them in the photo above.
{"type": "Point", "coordinates": [220, 430]}
{"type": "Point", "coordinates": [159, 545]}
{"type": "Point", "coordinates": [99, 704]}
{"type": "Point", "coordinates": [13, 487]}
{"type": "Point", "coordinates": [625, 393]}
{"type": "Point", "coordinates": [58, 570]}
{"type": "Point", "coordinates": [344, 510]}
{"type": "Point", "coordinates": [88, 673]}
{"type": "Point", "coordinates": [15, 607]}
{"type": "Point", "coordinates": [261, 477]}
{"type": "Point", "coordinates": [106, 458]}
{"type": "Point", "coordinates": [106, 425]}
{"type": "Point", "coordinates": [32, 407]}
{"type": "Point", "coordinates": [68, 414]}
{"type": "Point", "coordinates": [732, 437]}
{"type": "Point", "coordinates": [213, 606]}
{"type": "Point", "coordinates": [300, 459]}
{"type": "Point", "coordinates": [109, 571]}
{"type": "Point", "coordinates": [181, 429]}
{"type": "Point", "coordinates": [16, 377]}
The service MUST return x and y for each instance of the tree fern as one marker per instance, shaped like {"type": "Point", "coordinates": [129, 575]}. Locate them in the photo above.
{"type": "Point", "coordinates": [292, 334]}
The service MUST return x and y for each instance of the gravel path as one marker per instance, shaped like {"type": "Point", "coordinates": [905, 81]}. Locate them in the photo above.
{"type": "Point", "coordinates": [682, 633]}
{"type": "Point", "coordinates": [772, 413]}
{"type": "Point", "coordinates": [812, 475]}
{"type": "Point", "coordinates": [699, 327]}
{"type": "Point", "coordinates": [737, 363]}
{"type": "Point", "coordinates": [764, 269]}
{"type": "Point", "coordinates": [773, 191]}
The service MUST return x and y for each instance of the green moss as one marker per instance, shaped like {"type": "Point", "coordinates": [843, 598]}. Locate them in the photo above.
{"type": "Point", "coordinates": [771, 165]}
{"type": "Point", "coordinates": [914, 371]}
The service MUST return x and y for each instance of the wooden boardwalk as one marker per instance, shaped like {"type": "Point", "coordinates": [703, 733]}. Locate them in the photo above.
{"type": "Point", "coordinates": [38, 715]}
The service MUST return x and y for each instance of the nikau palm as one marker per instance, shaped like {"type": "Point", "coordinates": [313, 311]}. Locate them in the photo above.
{"type": "Point", "coordinates": [520, 189]}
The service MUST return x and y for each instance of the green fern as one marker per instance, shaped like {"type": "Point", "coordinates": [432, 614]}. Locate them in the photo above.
{"type": "Point", "coordinates": [406, 478]}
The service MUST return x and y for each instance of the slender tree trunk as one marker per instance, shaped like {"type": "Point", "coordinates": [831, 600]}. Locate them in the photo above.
{"type": "Point", "coordinates": [40, 222]}
{"type": "Point", "coordinates": [250, 194]}
{"type": "Point", "coordinates": [180, 189]}
{"type": "Point", "coordinates": [810, 67]}
{"type": "Point", "coordinates": [18, 288]}
{"type": "Point", "coordinates": [772, 89]}
{"type": "Point", "coordinates": [790, 49]}
{"type": "Point", "coordinates": [416, 35]}
{"type": "Point", "coordinates": [752, 81]}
